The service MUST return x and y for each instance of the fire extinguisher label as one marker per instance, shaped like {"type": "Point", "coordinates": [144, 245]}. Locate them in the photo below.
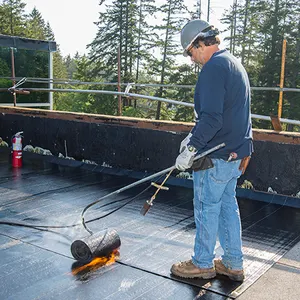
{"type": "Point", "coordinates": [17, 146]}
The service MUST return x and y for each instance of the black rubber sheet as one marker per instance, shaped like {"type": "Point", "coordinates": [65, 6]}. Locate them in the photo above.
{"type": "Point", "coordinates": [37, 264]}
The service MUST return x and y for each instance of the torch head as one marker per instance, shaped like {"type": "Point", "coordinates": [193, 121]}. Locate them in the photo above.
{"type": "Point", "coordinates": [147, 205]}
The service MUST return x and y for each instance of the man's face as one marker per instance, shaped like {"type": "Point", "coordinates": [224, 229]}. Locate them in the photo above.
{"type": "Point", "coordinates": [198, 55]}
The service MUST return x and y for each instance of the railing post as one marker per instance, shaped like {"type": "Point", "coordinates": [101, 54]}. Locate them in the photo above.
{"type": "Point", "coordinates": [119, 83]}
{"type": "Point", "coordinates": [51, 80]}
{"type": "Point", "coordinates": [281, 78]}
{"type": "Point", "coordinates": [13, 74]}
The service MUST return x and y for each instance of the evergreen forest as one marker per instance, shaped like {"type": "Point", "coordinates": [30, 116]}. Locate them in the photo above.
{"type": "Point", "coordinates": [146, 34]}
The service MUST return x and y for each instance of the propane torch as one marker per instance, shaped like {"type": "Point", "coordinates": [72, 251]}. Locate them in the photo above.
{"type": "Point", "coordinates": [147, 205]}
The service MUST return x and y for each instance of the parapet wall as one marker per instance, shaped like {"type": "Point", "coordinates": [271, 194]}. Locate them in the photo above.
{"type": "Point", "coordinates": [146, 145]}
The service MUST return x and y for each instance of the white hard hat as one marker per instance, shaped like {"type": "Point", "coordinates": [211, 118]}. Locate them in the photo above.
{"type": "Point", "coordinates": [194, 29]}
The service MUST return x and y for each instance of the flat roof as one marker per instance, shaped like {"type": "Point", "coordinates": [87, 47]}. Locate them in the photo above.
{"type": "Point", "coordinates": [37, 263]}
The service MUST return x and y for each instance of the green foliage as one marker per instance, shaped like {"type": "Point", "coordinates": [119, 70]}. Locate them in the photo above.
{"type": "Point", "coordinates": [75, 102]}
{"type": "Point", "coordinates": [196, 13]}
{"type": "Point", "coordinates": [85, 102]}
{"type": "Point", "coordinates": [185, 75]}
{"type": "Point", "coordinates": [70, 64]}
{"type": "Point", "coordinates": [130, 111]}
{"type": "Point", "coordinates": [12, 17]}
{"type": "Point", "coordinates": [4, 68]}
{"type": "Point", "coordinates": [257, 38]}
{"type": "Point", "coordinates": [14, 21]}
{"type": "Point", "coordinates": [172, 20]}
{"type": "Point", "coordinates": [35, 26]}
{"type": "Point", "coordinates": [147, 33]}
{"type": "Point", "coordinates": [116, 28]}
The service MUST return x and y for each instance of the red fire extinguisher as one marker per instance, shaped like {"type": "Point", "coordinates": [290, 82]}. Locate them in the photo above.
{"type": "Point", "coordinates": [17, 150]}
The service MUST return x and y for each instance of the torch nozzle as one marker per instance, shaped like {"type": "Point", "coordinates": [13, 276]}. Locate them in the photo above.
{"type": "Point", "coordinates": [147, 205]}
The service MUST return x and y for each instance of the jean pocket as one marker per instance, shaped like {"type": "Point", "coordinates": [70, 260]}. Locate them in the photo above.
{"type": "Point", "coordinates": [224, 171]}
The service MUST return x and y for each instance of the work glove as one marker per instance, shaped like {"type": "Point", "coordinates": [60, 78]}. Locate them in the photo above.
{"type": "Point", "coordinates": [185, 142]}
{"type": "Point", "coordinates": [185, 159]}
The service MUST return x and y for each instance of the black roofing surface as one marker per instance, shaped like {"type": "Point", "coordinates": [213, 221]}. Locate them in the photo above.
{"type": "Point", "coordinates": [37, 264]}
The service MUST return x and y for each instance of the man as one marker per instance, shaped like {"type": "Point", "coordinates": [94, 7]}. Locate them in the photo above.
{"type": "Point", "coordinates": [222, 109]}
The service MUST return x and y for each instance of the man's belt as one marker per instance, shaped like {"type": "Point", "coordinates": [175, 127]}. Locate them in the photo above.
{"type": "Point", "coordinates": [202, 163]}
{"type": "Point", "coordinates": [205, 163]}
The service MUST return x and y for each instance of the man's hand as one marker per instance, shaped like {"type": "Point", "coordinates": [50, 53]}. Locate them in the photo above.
{"type": "Point", "coordinates": [185, 142]}
{"type": "Point", "coordinates": [185, 159]}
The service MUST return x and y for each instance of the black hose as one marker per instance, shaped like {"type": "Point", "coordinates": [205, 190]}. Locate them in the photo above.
{"type": "Point", "coordinates": [46, 227]}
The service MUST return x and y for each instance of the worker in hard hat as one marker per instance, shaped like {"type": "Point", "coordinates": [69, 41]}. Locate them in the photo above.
{"type": "Point", "coordinates": [222, 110]}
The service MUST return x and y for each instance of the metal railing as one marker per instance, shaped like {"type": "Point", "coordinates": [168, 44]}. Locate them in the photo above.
{"type": "Point", "coordinates": [17, 88]}
{"type": "Point", "coordinates": [63, 81]}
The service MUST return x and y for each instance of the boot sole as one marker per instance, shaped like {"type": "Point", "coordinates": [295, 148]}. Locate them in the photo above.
{"type": "Point", "coordinates": [232, 277]}
{"type": "Point", "coordinates": [200, 276]}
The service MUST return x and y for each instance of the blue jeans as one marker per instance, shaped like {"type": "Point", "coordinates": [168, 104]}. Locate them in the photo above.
{"type": "Point", "coordinates": [216, 212]}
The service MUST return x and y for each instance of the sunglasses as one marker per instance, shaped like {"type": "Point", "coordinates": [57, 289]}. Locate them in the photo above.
{"type": "Point", "coordinates": [188, 51]}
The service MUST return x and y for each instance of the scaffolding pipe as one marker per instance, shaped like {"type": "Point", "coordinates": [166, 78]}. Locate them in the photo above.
{"type": "Point", "coordinates": [282, 120]}
{"type": "Point", "coordinates": [51, 79]}
{"type": "Point", "coordinates": [27, 104]}
{"type": "Point", "coordinates": [13, 73]}
{"type": "Point", "coordinates": [73, 82]}
{"type": "Point", "coordinates": [254, 116]}
{"type": "Point", "coordinates": [119, 83]}
{"type": "Point", "coordinates": [109, 93]}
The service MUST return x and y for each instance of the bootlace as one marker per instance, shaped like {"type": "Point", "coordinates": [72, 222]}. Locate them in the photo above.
{"type": "Point", "coordinates": [186, 263]}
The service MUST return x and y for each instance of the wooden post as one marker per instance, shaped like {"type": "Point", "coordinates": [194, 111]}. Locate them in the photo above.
{"type": "Point", "coordinates": [281, 78]}
{"type": "Point", "coordinates": [276, 123]}
{"type": "Point", "coordinates": [119, 83]}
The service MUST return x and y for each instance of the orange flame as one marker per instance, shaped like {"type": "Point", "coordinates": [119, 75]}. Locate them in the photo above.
{"type": "Point", "coordinates": [98, 262]}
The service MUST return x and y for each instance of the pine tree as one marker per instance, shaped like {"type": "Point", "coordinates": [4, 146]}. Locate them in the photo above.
{"type": "Point", "coordinates": [59, 67]}
{"type": "Point", "coordinates": [35, 25]}
{"type": "Point", "coordinates": [12, 18]}
{"type": "Point", "coordinates": [70, 63]}
{"type": "Point", "coordinates": [291, 29]}
{"type": "Point", "coordinates": [123, 25]}
{"type": "Point", "coordinates": [260, 28]}
{"type": "Point", "coordinates": [145, 35]}
{"type": "Point", "coordinates": [49, 34]}
{"type": "Point", "coordinates": [196, 13]}
{"type": "Point", "coordinates": [171, 24]}
{"type": "Point", "coordinates": [279, 24]}
{"type": "Point", "coordinates": [184, 75]}
{"type": "Point", "coordinates": [116, 28]}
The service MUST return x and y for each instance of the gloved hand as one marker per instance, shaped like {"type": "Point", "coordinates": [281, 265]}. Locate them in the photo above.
{"type": "Point", "coordinates": [185, 159]}
{"type": "Point", "coordinates": [185, 142]}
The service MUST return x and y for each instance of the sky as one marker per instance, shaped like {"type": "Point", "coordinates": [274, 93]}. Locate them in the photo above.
{"type": "Point", "coordinates": [72, 20]}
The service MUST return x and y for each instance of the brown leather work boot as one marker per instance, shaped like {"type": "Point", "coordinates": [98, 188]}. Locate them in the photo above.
{"type": "Point", "coordinates": [187, 269]}
{"type": "Point", "coordinates": [236, 275]}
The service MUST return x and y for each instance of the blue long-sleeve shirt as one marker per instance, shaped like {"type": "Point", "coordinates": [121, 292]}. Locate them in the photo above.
{"type": "Point", "coordinates": [222, 107]}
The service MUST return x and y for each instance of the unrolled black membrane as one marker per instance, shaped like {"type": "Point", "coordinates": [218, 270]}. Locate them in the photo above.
{"type": "Point", "coordinates": [96, 245]}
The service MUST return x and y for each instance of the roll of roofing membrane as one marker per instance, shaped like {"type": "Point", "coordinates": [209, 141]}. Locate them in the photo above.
{"type": "Point", "coordinates": [97, 245]}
